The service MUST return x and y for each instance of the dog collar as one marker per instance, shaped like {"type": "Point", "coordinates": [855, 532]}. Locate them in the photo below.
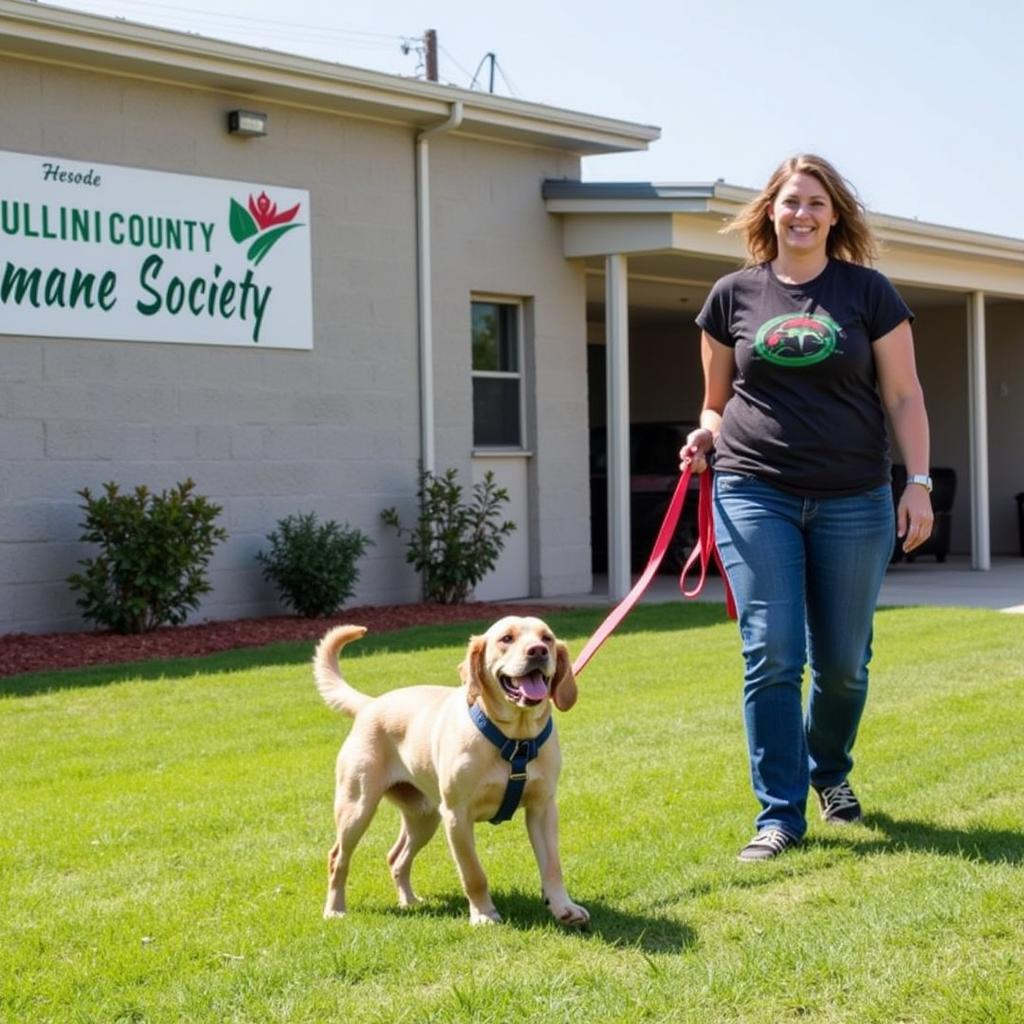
{"type": "Point", "coordinates": [518, 753]}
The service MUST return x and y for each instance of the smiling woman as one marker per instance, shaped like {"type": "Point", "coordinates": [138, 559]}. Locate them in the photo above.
{"type": "Point", "coordinates": [802, 216]}
{"type": "Point", "coordinates": [806, 354]}
{"type": "Point", "coordinates": [809, 192]}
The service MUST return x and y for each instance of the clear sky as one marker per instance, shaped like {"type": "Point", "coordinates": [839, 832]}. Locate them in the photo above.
{"type": "Point", "coordinates": [920, 103]}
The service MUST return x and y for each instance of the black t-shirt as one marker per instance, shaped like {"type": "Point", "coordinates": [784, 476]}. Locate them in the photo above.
{"type": "Point", "coordinates": [805, 413]}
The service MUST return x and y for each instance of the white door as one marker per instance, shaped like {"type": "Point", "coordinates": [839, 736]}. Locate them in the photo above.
{"type": "Point", "coordinates": [510, 578]}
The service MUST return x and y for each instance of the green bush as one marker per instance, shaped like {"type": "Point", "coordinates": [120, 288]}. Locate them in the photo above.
{"type": "Point", "coordinates": [154, 549]}
{"type": "Point", "coordinates": [313, 564]}
{"type": "Point", "coordinates": [453, 545]}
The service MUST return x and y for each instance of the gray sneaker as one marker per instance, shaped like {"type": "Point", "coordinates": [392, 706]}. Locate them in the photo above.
{"type": "Point", "coordinates": [838, 804]}
{"type": "Point", "coordinates": [768, 843]}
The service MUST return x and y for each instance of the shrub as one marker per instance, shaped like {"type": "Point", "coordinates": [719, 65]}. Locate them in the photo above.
{"type": "Point", "coordinates": [313, 564]}
{"type": "Point", "coordinates": [154, 549]}
{"type": "Point", "coordinates": [453, 546]}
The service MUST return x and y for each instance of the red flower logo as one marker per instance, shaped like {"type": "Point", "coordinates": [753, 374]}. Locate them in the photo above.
{"type": "Point", "coordinates": [264, 212]}
{"type": "Point", "coordinates": [261, 220]}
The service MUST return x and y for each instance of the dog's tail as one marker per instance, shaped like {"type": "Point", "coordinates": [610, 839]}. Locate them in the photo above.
{"type": "Point", "coordinates": [334, 690]}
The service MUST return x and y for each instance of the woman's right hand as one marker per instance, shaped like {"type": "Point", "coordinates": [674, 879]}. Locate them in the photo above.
{"type": "Point", "coordinates": [695, 452]}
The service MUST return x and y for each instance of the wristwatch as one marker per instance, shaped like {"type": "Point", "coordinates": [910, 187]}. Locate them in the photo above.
{"type": "Point", "coordinates": [921, 478]}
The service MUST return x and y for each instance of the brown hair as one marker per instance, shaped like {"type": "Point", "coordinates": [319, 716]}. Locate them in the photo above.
{"type": "Point", "coordinates": [849, 239]}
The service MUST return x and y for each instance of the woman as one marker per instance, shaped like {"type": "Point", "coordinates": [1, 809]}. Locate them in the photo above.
{"type": "Point", "coordinates": [805, 351]}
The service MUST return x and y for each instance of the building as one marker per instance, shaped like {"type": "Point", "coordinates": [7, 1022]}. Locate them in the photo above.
{"type": "Point", "coordinates": [288, 317]}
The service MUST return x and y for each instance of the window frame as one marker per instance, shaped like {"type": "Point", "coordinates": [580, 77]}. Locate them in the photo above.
{"type": "Point", "coordinates": [519, 305]}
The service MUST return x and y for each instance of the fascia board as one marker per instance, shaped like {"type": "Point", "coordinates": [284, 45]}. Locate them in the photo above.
{"type": "Point", "coordinates": [953, 272]}
{"type": "Point", "coordinates": [55, 35]}
{"type": "Point", "coordinates": [609, 208]}
{"type": "Point", "coordinates": [902, 231]}
{"type": "Point", "coordinates": [702, 235]}
{"type": "Point", "coordinates": [587, 233]}
{"type": "Point", "coordinates": [602, 234]}
{"type": "Point", "coordinates": [733, 195]}
{"type": "Point", "coordinates": [910, 235]}
{"type": "Point", "coordinates": [698, 219]}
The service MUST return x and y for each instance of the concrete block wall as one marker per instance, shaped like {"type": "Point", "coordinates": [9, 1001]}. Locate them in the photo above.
{"type": "Point", "coordinates": [493, 236]}
{"type": "Point", "coordinates": [263, 433]}
{"type": "Point", "coordinates": [268, 433]}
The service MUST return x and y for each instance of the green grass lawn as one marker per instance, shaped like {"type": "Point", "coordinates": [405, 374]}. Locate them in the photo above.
{"type": "Point", "coordinates": [165, 828]}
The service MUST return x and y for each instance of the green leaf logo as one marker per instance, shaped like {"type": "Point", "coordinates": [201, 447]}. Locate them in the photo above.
{"type": "Point", "coordinates": [262, 245]}
{"type": "Point", "coordinates": [262, 219]}
{"type": "Point", "coordinates": [240, 222]}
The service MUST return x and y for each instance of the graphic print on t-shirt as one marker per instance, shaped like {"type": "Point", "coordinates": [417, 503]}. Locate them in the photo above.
{"type": "Point", "coordinates": [797, 339]}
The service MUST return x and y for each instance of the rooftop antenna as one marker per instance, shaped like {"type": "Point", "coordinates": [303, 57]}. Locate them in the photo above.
{"type": "Point", "coordinates": [487, 56]}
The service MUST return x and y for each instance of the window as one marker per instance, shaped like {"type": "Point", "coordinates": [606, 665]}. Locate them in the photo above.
{"type": "Point", "coordinates": [497, 374]}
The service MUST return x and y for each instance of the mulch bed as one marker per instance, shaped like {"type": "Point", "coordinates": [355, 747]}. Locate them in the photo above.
{"type": "Point", "coordinates": [34, 652]}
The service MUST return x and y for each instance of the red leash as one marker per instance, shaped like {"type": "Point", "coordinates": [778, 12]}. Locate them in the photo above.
{"type": "Point", "coordinates": [704, 551]}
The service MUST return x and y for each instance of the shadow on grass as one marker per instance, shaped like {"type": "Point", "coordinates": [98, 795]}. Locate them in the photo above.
{"type": "Point", "coordinates": [608, 924]}
{"type": "Point", "coordinates": [574, 625]}
{"type": "Point", "coordinates": [981, 844]}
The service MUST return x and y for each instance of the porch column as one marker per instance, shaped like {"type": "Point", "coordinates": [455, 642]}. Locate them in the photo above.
{"type": "Point", "coordinates": [981, 547]}
{"type": "Point", "coordinates": [616, 321]}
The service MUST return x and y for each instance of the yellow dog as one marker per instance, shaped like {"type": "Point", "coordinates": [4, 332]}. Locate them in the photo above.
{"type": "Point", "coordinates": [423, 747]}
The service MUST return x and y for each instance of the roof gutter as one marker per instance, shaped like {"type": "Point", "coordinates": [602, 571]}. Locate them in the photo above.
{"type": "Point", "coordinates": [423, 275]}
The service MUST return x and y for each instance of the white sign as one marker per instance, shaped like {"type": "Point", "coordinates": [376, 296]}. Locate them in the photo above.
{"type": "Point", "coordinates": [96, 251]}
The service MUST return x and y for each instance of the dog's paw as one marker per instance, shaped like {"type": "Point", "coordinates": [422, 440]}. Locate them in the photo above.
{"type": "Point", "coordinates": [330, 913]}
{"type": "Point", "coordinates": [483, 916]}
{"type": "Point", "coordinates": [570, 914]}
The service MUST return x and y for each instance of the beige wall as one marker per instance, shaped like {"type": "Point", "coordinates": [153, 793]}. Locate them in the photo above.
{"type": "Point", "coordinates": [493, 236]}
{"type": "Point", "coordinates": [268, 433]}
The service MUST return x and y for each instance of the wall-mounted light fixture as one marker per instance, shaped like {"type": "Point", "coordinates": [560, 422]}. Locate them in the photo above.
{"type": "Point", "coordinates": [247, 122]}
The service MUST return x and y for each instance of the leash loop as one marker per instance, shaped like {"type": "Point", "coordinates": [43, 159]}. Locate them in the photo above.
{"type": "Point", "coordinates": [706, 550]}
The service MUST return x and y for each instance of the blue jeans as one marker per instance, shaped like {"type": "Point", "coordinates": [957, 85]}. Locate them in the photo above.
{"type": "Point", "coordinates": [805, 573]}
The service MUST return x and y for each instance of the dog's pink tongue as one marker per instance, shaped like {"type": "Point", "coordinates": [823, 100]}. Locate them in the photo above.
{"type": "Point", "coordinates": [532, 687]}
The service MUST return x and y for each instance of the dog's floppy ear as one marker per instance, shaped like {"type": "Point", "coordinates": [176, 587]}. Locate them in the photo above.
{"type": "Point", "coordinates": [563, 686]}
{"type": "Point", "coordinates": [472, 666]}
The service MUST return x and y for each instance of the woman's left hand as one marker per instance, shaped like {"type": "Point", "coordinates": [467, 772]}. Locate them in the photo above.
{"type": "Point", "coordinates": [914, 516]}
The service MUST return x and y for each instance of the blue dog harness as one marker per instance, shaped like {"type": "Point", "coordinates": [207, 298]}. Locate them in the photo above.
{"type": "Point", "coordinates": [518, 753]}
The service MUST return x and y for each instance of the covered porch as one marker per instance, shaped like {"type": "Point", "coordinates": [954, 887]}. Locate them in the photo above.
{"type": "Point", "coordinates": [651, 252]}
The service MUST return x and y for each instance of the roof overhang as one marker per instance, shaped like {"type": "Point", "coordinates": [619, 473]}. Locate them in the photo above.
{"type": "Point", "coordinates": [32, 31]}
{"type": "Point", "coordinates": [642, 219]}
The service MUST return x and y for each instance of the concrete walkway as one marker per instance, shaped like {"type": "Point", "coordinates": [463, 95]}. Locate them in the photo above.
{"type": "Point", "coordinates": [925, 582]}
